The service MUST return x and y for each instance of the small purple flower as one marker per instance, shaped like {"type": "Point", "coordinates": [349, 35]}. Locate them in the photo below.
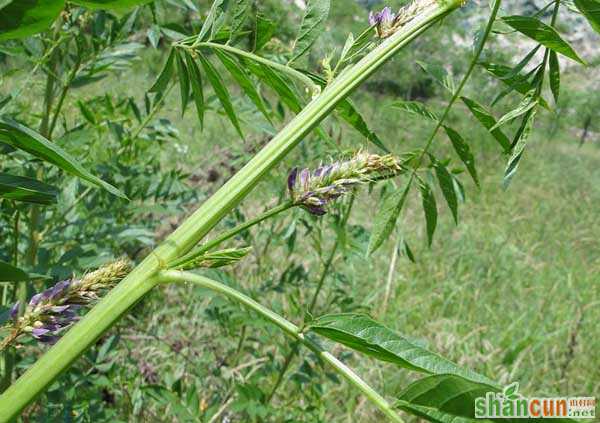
{"type": "Point", "coordinates": [383, 21]}
{"type": "Point", "coordinates": [14, 311]}
{"type": "Point", "coordinates": [385, 17]}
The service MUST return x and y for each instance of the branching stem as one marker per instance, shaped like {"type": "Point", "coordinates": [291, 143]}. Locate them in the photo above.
{"type": "Point", "coordinates": [290, 329]}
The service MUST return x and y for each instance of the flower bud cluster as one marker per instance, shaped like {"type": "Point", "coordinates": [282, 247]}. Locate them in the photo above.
{"type": "Point", "coordinates": [314, 190]}
{"type": "Point", "coordinates": [52, 310]}
{"type": "Point", "coordinates": [387, 22]}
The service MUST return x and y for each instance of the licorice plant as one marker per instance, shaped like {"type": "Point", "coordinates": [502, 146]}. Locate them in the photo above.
{"type": "Point", "coordinates": [53, 317]}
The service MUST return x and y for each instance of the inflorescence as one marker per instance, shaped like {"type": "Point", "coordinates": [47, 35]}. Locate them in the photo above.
{"type": "Point", "coordinates": [52, 310]}
{"type": "Point", "coordinates": [314, 190]}
{"type": "Point", "coordinates": [387, 22]}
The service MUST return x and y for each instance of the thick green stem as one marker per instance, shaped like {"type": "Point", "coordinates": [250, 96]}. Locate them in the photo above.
{"type": "Point", "coordinates": [231, 233]}
{"type": "Point", "coordinates": [82, 335]}
{"type": "Point", "coordinates": [290, 329]}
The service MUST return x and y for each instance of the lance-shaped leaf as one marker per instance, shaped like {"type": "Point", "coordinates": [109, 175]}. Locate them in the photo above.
{"type": "Point", "coordinates": [241, 77]}
{"type": "Point", "coordinates": [28, 190]}
{"type": "Point", "coordinates": [21, 18]}
{"type": "Point", "coordinates": [352, 116]}
{"type": "Point", "coordinates": [10, 273]}
{"type": "Point", "coordinates": [543, 34]}
{"type": "Point", "coordinates": [313, 24]}
{"type": "Point", "coordinates": [221, 92]}
{"type": "Point", "coordinates": [417, 108]}
{"type": "Point", "coordinates": [528, 103]}
{"type": "Point", "coordinates": [432, 414]}
{"type": "Point", "coordinates": [488, 121]}
{"type": "Point", "coordinates": [264, 28]}
{"type": "Point", "coordinates": [521, 139]}
{"type": "Point", "coordinates": [429, 208]}
{"type": "Point", "coordinates": [216, 259]}
{"type": "Point", "coordinates": [163, 79]}
{"type": "Point", "coordinates": [23, 138]}
{"type": "Point", "coordinates": [184, 81]}
{"type": "Point", "coordinates": [449, 394]}
{"type": "Point", "coordinates": [446, 182]}
{"type": "Point", "coordinates": [238, 13]}
{"type": "Point", "coordinates": [212, 19]}
{"type": "Point", "coordinates": [463, 151]}
{"type": "Point", "coordinates": [197, 90]}
{"type": "Point", "coordinates": [439, 74]}
{"type": "Point", "coordinates": [277, 82]}
{"type": "Point", "coordinates": [454, 399]}
{"type": "Point", "coordinates": [364, 334]}
{"type": "Point", "coordinates": [519, 83]}
{"type": "Point", "coordinates": [554, 74]}
{"type": "Point", "coordinates": [386, 217]}
{"type": "Point", "coordinates": [591, 10]}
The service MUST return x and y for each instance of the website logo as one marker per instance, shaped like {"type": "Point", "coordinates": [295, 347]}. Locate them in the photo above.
{"type": "Point", "coordinates": [511, 404]}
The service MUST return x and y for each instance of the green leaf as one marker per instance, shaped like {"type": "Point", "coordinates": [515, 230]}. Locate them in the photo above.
{"type": "Point", "coordinates": [119, 5]}
{"type": "Point", "coordinates": [184, 81]}
{"type": "Point", "coordinates": [21, 18]}
{"type": "Point", "coordinates": [263, 31]}
{"type": "Point", "coordinates": [221, 92]}
{"type": "Point", "coordinates": [451, 399]}
{"type": "Point", "coordinates": [431, 414]}
{"type": "Point", "coordinates": [160, 85]}
{"type": "Point", "coordinates": [447, 393]}
{"type": "Point", "coordinates": [241, 77]}
{"type": "Point", "coordinates": [447, 186]}
{"type": "Point", "coordinates": [364, 334]}
{"type": "Point", "coordinates": [417, 108]}
{"type": "Point", "coordinates": [352, 116]}
{"type": "Point", "coordinates": [488, 121]}
{"type": "Point", "coordinates": [10, 273]}
{"type": "Point", "coordinates": [239, 12]}
{"type": "Point", "coordinates": [464, 152]}
{"type": "Point", "coordinates": [528, 103]}
{"type": "Point", "coordinates": [520, 83]}
{"type": "Point", "coordinates": [543, 34]}
{"type": "Point", "coordinates": [216, 259]}
{"type": "Point", "coordinates": [430, 209]}
{"type": "Point", "coordinates": [521, 139]}
{"type": "Point", "coordinates": [215, 11]}
{"type": "Point", "coordinates": [196, 83]}
{"type": "Point", "coordinates": [591, 10]}
{"type": "Point", "coordinates": [439, 74]}
{"type": "Point", "coordinates": [313, 24]}
{"type": "Point", "coordinates": [554, 75]}
{"type": "Point", "coordinates": [386, 217]}
{"type": "Point", "coordinates": [23, 138]}
{"type": "Point", "coordinates": [28, 190]}
{"type": "Point", "coordinates": [277, 82]}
